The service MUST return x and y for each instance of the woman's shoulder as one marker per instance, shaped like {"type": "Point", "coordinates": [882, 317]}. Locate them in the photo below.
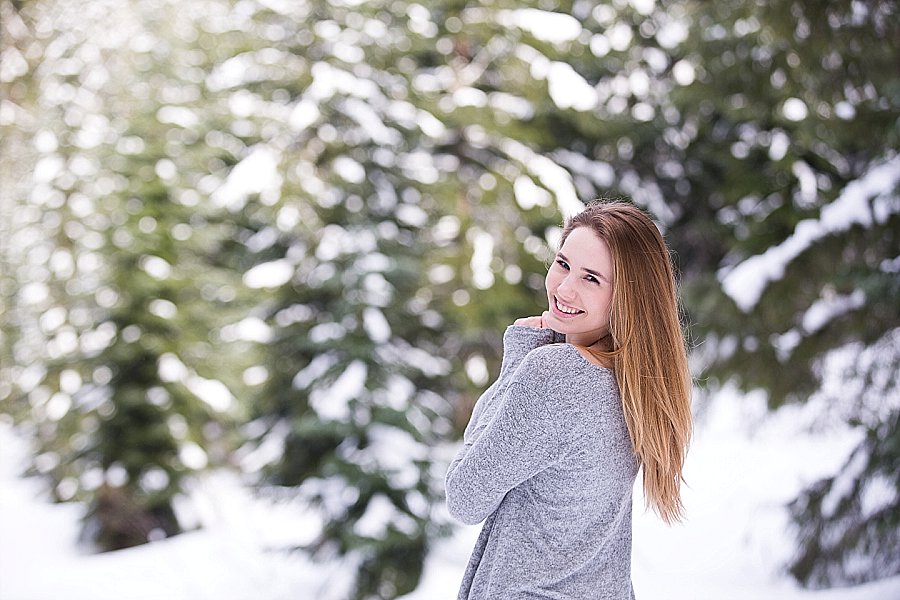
{"type": "Point", "coordinates": [550, 352]}
{"type": "Point", "coordinates": [562, 380]}
{"type": "Point", "coordinates": [553, 362]}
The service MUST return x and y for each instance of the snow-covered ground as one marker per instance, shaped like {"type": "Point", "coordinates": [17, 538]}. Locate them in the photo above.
{"type": "Point", "coordinates": [743, 467]}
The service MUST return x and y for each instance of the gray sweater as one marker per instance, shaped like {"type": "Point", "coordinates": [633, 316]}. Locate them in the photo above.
{"type": "Point", "coordinates": [547, 461]}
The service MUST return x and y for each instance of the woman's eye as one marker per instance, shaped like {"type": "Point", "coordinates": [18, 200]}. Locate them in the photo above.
{"type": "Point", "coordinates": [562, 264]}
{"type": "Point", "coordinates": [591, 279]}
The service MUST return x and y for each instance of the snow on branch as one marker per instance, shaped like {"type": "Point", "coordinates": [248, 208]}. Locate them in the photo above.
{"type": "Point", "coordinates": [746, 282]}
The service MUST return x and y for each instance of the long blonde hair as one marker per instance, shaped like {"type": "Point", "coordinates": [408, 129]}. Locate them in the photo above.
{"type": "Point", "coordinates": [646, 348]}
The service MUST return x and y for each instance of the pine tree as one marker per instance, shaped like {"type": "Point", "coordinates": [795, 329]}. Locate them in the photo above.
{"type": "Point", "coordinates": [120, 413]}
{"type": "Point", "coordinates": [792, 123]}
{"type": "Point", "coordinates": [749, 131]}
{"type": "Point", "coordinates": [388, 178]}
{"type": "Point", "coordinates": [339, 236]}
{"type": "Point", "coordinates": [18, 157]}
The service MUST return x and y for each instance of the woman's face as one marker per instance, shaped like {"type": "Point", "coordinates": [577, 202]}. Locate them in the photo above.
{"type": "Point", "coordinates": [579, 288]}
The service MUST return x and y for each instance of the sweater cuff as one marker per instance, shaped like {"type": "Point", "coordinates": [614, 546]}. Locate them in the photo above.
{"type": "Point", "coordinates": [519, 340]}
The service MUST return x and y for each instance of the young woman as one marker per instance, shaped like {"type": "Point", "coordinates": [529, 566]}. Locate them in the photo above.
{"type": "Point", "coordinates": [589, 392]}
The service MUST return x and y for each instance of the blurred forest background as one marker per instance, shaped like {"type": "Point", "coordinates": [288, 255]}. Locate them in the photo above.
{"type": "Point", "coordinates": [284, 237]}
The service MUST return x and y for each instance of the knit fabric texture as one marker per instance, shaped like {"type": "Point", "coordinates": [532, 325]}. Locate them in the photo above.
{"type": "Point", "coordinates": [547, 463]}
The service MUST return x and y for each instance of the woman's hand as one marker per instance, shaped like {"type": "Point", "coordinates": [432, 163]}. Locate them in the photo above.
{"type": "Point", "coordinates": [537, 322]}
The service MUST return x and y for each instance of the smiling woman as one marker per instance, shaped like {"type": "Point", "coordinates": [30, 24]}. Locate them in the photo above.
{"type": "Point", "coordinates": [579, 289]}
{"type": "Point", "coordinates": [592, 390]}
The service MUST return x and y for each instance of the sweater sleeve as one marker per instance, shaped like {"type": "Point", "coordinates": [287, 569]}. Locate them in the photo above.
{"type": "Point", "coordinates": [518, 341]}
{"type": "Point", "coordinates": [524, 437]}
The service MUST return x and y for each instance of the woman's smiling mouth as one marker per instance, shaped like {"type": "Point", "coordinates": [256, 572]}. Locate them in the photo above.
{"type": "Point", "coordinates": [565, 309]}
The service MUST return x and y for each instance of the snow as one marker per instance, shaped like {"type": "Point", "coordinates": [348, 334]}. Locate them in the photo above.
{"type": "Point", "coordinates": [469, 96]}
{"type": "Point", "coordinates": [317, 367]}
{"type": "Point", "coordinates": [373, 262]}
{"type": "Point", "coordinates": [806, 178]}
{"type": "Point", "coordinates": [794, 109]}
{"type": "Point", "coordinates": [746, 282]}
{"type": "Point", "coordinates": [482, 255]}
{"type": "Point", "coordinates": [155, 267]}
{"type": "Point", "coordinates": [552, 176]}
{"type": "Point", "coordinates": [643, 7]}
{"type": "Point", "coordinates": [333, 403]}
{"type": "Point", "coordinates": [779, 146]}
{"type": "Point", "coordinates": [329, 80]}
{"type": "Point", "coordinates": [211, 391]}
{"type": "Point", "coordinates": [556, 28]}
{"type": "Point", "coordinates": [270, 274]}
{"type": "Point", "coordinates": [829, 307]}
{"type": "Point", "coordinates": [568, 89]}
{"type": "Point", "coordinates": [349, 170]}
{"type": "Point", "coordinates": [177, 115]}
{"type": "Point", "coordinates": [744, 465]}
{"type": "Point", "coordinates": [393, 452]}
{"type": "Point", "coordinates": [528, 195]}
{"type": "Point", "coordinates": [376, 325]}
{"type": "Point", "coordinates": [476, 370]}
{"type": "Point", "coordinates": [378, 290]}
{"type": "Point", "coordinates": [375, 520]}
{"type": "Point", "coordinates": [251, 329]}
{"type": "Point", "coordinates": [270, 450]}
{"type": "Point", "coordinates": [257, 173]}
{"type": "Point", "coordinates": [877, 495]}
{"type": "Point", "coordinates": [420, 166]}
{"type": "Point", "coordinates": [304, 114]}
{"type": "Point", "coordinates": [371, 122]}
{"type": "Point", "coordinates": [843, 484]}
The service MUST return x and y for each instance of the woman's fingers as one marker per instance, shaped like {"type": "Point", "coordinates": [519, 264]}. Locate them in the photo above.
{"type": "Point", "coordinates": [530, 322]}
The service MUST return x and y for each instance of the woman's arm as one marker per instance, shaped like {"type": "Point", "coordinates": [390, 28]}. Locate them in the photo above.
{"type": "Point", "coordinates": [524, 437]}
{"type": "Point", "coordinates": [518, 340]}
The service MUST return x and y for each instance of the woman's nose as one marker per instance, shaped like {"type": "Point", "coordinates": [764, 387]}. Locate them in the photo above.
{"type": "Point", "coordinates": [566, 288]}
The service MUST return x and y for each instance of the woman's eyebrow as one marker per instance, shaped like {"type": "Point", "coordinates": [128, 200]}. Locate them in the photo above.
{"type": "Point", "coordinates": [585, 269]}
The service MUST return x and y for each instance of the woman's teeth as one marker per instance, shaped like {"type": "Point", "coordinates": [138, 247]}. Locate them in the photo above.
{"type": "Point", "coordinates": [566, 309]}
